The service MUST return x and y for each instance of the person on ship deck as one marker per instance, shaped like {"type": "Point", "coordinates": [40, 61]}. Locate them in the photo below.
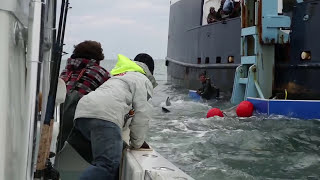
{"type": "Point", "coordinates": [229, 9]}
{"type": "Point", "coordinates": [212, 16]}
{"type": "Point", "coordinates": [228, 6]}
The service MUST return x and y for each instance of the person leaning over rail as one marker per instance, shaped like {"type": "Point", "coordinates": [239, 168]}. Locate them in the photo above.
{"type": "Point", "coordinates": [82, 75]}
{"type": "Point", "coordinates": [100, 115]}
{"type": "Point", "coordinates": [212, 16]}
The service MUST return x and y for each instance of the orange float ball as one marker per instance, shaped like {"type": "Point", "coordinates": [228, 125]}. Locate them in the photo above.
{"type": "Point", "coordinates": [214, 112]}
{"type": "Point", "coordinates": [245, 109]}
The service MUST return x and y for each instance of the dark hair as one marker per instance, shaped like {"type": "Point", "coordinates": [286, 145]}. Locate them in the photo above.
{"type": "Point", "coordinates": [88, 50]}
{"type": "Point", "coordinates": [146, 59]}
{"type": "Point", "coordinates": [204, 73]}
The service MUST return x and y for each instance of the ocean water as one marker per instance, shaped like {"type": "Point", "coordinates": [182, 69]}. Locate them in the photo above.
{"type": "Point", "coordinates": [259, 147]}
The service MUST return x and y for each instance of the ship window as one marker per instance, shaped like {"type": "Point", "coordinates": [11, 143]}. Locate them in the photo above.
{"type": "Point", "coordinates": [207, 61]}
{"type": "Point", "coordinates": [187, 70]}
{"type": "Point", "coordinates": [286, 7]}
{"type": "Point", "coordinates": [218, 59]}
{"type": "Point", "coordinates": [250, 48]}
{"type": "Point", "coordinates": [306, 55]}
{"type": "Point", "coordinates": [230, 59]}
{"type": "Point", "coordinates": [199, 60]}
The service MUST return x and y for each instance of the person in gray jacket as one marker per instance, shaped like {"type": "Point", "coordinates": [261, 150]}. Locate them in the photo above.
{"type": "Point", "coordinates": [100, 114]}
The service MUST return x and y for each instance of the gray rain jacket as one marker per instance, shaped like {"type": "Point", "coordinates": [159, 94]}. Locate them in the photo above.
{"type": "Point", "coordinates": [113, 100]}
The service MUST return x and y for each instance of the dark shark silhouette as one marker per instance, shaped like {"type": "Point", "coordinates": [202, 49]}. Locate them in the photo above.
{"type": "Point", "coordinates": [168, 103]}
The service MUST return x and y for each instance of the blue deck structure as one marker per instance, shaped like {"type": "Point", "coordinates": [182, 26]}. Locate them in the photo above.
{"type": "Point", "coordinates": [194, 95]}
{"type": "Point", "coordinates": [303, 109]}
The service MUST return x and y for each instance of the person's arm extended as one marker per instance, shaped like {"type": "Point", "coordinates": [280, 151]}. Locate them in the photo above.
{"type": "Point", "coordinates": [207, 88]}
{"type": "Point", "coordinates": [140, 122]}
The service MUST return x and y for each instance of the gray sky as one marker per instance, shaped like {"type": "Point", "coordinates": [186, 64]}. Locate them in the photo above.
{"type": "Point", "coordinates": [122, 26]}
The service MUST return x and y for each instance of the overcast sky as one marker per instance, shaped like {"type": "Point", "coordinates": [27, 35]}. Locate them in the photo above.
{"type": "Point", "coordinates": [122, 26]}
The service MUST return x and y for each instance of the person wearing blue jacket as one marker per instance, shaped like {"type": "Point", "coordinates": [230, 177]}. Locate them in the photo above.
{"type": "Point", "coordinates": [228, 6]}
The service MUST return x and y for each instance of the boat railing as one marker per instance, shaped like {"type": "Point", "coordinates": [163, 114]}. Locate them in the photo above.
{"type": "Point", "coordinates": [203, 66]}
{"type": "Point", "coordinates": [226, 21]}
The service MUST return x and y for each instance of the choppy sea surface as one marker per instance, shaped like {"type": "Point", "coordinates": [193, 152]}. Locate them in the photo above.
{"type": "Point", "coordinates": [259, 147]}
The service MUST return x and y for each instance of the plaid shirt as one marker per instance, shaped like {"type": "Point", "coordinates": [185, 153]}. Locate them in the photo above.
{"type": "Point", "coordinates": [92, 78]}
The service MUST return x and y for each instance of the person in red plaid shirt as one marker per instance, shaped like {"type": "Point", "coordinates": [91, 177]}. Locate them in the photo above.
{"type": "Point", "coordinates": [82, 75]}
{"type": "Point", "coordinates": [86, 56]}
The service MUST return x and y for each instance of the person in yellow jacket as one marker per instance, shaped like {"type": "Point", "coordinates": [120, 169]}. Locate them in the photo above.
{"type": "Point", "coordinates": [100, 115]}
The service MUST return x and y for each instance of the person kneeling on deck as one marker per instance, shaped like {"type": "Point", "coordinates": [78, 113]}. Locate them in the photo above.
{"type": "Point", "coordinates": [100, 115]}
{"type": "Point", "coordinates": [207, 91]}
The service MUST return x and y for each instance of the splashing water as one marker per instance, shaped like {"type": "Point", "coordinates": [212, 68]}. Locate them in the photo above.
{"type": "Point", "coordinates": [258, 147]}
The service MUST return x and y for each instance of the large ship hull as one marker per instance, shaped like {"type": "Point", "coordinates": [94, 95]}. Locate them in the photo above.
{"type": "Point", "coordinates": [194, 48]}
{"type": "Point", "coordinates": [187, 76]}
{"type": "Point", "coordinates": [299, 76]}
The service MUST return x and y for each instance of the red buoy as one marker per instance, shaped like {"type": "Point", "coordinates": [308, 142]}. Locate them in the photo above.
{"type": "Point", "coordinates": [245, 109]}
{"type": "Point", "coordinates": [214, 112]}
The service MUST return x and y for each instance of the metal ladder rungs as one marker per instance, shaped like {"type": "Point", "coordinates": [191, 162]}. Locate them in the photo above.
{"type": "Point", "coordinates": [243, 80]}
{"type": "Point", "coordinates": [249, 31]}
{"type": "Point", "coordinates": [248, 59]}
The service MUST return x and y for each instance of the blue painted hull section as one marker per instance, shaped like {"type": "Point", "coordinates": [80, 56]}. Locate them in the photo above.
{"type": "Point", "coordinates": [194, 95]}
{"type": "Point", "coordinates": [260, 105]}
{"type": "Point", "coordinates": [303, 109]}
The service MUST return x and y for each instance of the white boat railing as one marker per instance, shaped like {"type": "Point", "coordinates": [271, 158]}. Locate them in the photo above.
{"type": "Point", "coordinates": [149, 165]}
{"type": "Point", "coordinates": [136, 165]}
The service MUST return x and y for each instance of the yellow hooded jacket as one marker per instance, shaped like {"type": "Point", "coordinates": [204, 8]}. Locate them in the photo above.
{"type": "Point", "coordinates": [125, 64]}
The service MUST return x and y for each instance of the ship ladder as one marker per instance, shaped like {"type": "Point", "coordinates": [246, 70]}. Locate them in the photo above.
{"type": "Point", "coordinates": [261, 30]}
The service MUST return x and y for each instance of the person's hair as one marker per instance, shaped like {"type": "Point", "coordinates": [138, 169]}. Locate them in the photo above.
{"type": "Point", "coordinates": [88, 50]}
{"type": "Point", "coordinates": [204, 73]}
{"type": "Point", "coordinates": [146, 59]}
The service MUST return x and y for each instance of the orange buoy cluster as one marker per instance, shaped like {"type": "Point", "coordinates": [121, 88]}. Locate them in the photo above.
{"type": "Point", "coordinates": [244, 109]}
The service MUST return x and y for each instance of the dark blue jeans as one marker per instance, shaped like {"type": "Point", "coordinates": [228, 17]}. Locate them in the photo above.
{"type": "Point", "coordinates": [106, 142]}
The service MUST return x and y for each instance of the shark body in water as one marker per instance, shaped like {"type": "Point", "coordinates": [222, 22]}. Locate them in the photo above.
{"type": "Point", "coordinates": [165, 108]}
